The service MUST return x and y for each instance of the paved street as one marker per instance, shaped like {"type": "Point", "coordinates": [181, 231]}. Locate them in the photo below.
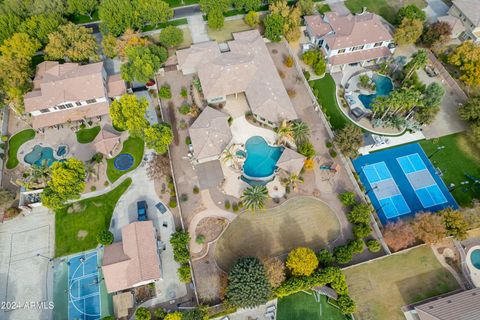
{"type": "Point", "coordinates": [24, 276]}
{"type": "Point", "coordinates": [435, 9]}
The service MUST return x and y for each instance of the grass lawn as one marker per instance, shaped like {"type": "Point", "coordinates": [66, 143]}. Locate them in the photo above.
{"type": "Point", "coordinates": [461, 156]}
{"type": "Point", "coordinates": [324, 89]}
{"type": "Point", "coordinates": [14, 143]}
{"type": "Point", "coordinates": [229, 27]}
{"type": "Point", "coordinates": [386, 8]}
{"type": "Point", "coordinates": [301, 221]}
{"type": "Point", "coordinates": [133, 146]}
{"type": "Point", "coordinates": [87, 135]}
{"type": "Point", "coordinates": [380, 288]}
{"type": "Point", "coordinates": [178, 22]}
{"type": "Point", "coordinates": [323, 8]}
{"type": "Point", "coordinates": [78, 19]}
{"type": "Point", "coordinates": [302, 306]}
{"type": "Point", "coordinates": [178, 3]}
{"type": "Point", "coordinates": [77, 230]}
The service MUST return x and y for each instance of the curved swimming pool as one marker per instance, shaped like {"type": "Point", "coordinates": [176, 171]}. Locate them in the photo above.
{"type": "Point", "coordinates": [475, 258]}
{"type": "Point", "coordinates": [383, 87]}
{"type": "Point", "coordinates": [473, 264]}
{"type": "Point", "coordinates": [261, 158]}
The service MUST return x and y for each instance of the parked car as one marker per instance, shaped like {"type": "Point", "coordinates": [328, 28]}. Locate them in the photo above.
{"type": "Point", "coordinates": [142, 210]}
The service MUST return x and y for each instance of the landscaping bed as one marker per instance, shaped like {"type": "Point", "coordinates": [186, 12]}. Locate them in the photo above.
{"type": "Point", "coordinates": [380, 288]}
{"type": "Point", "coordinates": [87, 135]}
{"type": "Point", "coordinates": [302, 305]}
{"type": "Point", "coordinates": [14, 144]}
{"type": "Point", "coordinates": [460, 156]}
{"type": "Point", "coordinates": [132, 146]}
{"type": "Point", "coordinates": [78, 224]}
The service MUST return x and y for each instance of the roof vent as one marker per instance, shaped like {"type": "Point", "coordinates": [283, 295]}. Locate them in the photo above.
{"type": "Point", "coordinates": [474, 293]}
{"type": "Point", "coordinates": [430, 307]}
{"type": "Point", "coordinates": [449, 301]}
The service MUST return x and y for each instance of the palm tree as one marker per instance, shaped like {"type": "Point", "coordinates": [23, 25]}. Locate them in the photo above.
{"type": "Point", "coordinates": [292, 181]}
{"type": "Point", "coordinates": [301, 132]}
{"type": "Point", "coordinates": [285, 133]}
{"type": "Point", "coordinates": [419, 60]}
{"type": "Point", "coordinates": [228, 155]}
{"type": "Point", "coordinates": [254, 197]}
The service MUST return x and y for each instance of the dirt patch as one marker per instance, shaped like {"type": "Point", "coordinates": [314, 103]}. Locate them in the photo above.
{"type": "Point", "coordinates": [211, 228]}
{"type": "Point", "coordinates": [82, 234]}
{"type": "Point", "coordinates": [76, 207]}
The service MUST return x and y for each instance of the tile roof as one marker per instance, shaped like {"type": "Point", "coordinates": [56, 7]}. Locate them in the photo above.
{"type": "Point", "coordinates": [133, 260]}
{"type": "Point", "coordinates": [291, 161]}
{"type": "Point", "coordinates": [106, 140]}
{"type": "Point", "coordinates": [73, 114]}
{"type": "Point", "coordinates": [460, 306]}
{"type": "Point", "coordinates": [247, 67]}
{"type": "Point", "coordinates": [210, 133]}
{"type": "Point", "coordinates": [318, 26]}
{"type": "Point", "coordinates": [55, 83]}
{"type": "Point", "coordinates": [349, 30]}
{"type": "Point", "coordinates": [471, 9]}
{"type": "Point", "coordinates": [358, 56]}
{"type": "Point", "coordinates": [116, 86]}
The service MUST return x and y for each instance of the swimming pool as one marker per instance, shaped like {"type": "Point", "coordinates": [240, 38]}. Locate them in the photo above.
{"type": "Point", "coordinates": [475, 258]}
{"type": "Point", "coordinates": [383, 87]}
{"type": "Point", "coordinates": [40, 156]}
{"type": "Point", "coordinates": [261, 159]}
{"type": "Point", "coordinates": [473, 264]}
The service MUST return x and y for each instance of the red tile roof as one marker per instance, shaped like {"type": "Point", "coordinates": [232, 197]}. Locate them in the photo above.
{"type": "Point", "coordinates": [358, 56]}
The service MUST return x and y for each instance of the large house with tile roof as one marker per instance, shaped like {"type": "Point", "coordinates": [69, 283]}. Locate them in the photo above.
{"type": "Point", "coordinates": [70, 92]}
{"type": "Point", "coordinates": [350, 39]}
{"type": "Point", "coordinates": [245, 67]}
{"type": "Point", "coordinates": [468, 13]}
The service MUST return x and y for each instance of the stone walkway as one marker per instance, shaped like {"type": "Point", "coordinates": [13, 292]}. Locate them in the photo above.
{"type": "Point", "coordinates": [198, 28]}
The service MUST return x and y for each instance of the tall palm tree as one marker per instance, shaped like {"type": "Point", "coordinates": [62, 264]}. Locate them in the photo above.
{"type": "Point", "coordinates": [300, 131]}
{"type": "Point", "coordinates": [254, 197]}
{"type": "Point", "coordinates": [285, 133]}
{"type": "Point", "coordinates": [419, 60]}
{"type": "Point", "coordinates": [228, 155]}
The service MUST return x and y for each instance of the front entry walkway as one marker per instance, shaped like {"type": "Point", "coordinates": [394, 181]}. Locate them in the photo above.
{"type": "Point", "coordinates": [198, 28]}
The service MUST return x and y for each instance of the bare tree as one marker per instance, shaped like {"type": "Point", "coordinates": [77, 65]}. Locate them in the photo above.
{"type": "Point", "coordinates": [398, 235]}
{"type": "Point", "coordinates": [158, 167]}
{"type": "Point", "coordinates": [429, 227]}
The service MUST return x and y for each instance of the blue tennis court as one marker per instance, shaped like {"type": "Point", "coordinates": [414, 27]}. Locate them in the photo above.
{"type": "Point", "coordinates": [83, 287]}
{"type": "Point", "coordinates": [401, 182]}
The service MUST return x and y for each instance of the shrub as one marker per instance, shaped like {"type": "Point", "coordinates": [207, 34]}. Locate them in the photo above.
{"type": "Point", "coordinates": [93, 188]}
{"type": "Point", "coordinates": [177, 315]}
{"type": "Point", "coordinates": [183, 92]}
{"type": "Point", "coordinates": [106, 183]}
{"type": "Point", "coordinates": [184, 197]}
{"type": "Point", "coordinates": [398, 235]}
{"type": "Point", "coordinates": [235, 207]}
{"type": "Point", "coordinates": [252, 18]}
{"type": "Point", "coordinates": [360, 213]}
{"type": "Point", "coordinates": [373, 245]}
{"type": "Point", "coordinates": [455, 223]}
{"type": "Point", "coordinates": [346, 304]}
{"type": "Point", "coordinates": [306, 74]}
{"type": "Point", "coordinates": [325, 258]}
{"type": "Point", "coordinates": [142, 313]}
{"type": "Point", "coordinates": [165, 92]}
{"type": "Point", "coordinates": [172, 203]}
{"type": "Point", "coordinates": [302, 261]}
{"type": "Point", "coordinates": [343, 254]}
{"type": "Point", "coordinates": [4, 138]}
{"type": "Point", "coordinates": [356, 246]}
{"type": "Point", "coordinates": [12, 212]}
{"type": "Point", "coordinates": [227, 204]}
{"type": "Point", "coordinates": [188, 141]}
{"type": "Point", "coordinates": [184, 109]}
{"type": "Point", "coordinates": [196, 189]}
{"type": "Point", "coordinates": [160, 313]}
{"type": "Point", "coordinates": [200, 239]}
{"type": "Point", "coordinates": [281, 74]}
{"type": "Point", "coordinates": [105, 237]}
{"type": "Point", "coordinates": [307, 149]}
{"type": "Point", "coordinates": [329, 144]}
{"type": "Point", "coordinates": [332, 153]}
{"type": "Point", "coordinates": [428, 227]}
{"type": "Point", "coordinates": [348, 198]}
{"type": "Point", "coordinates": [275, 271]}
{"type": "Point", "coordinates": [184, 273]}
{"type": "Point", "coordinates": [288, 61]}
{"type": "Point", "coordinates": [179, 241]}
{"type": "Point", "coordinates": [361, 230]}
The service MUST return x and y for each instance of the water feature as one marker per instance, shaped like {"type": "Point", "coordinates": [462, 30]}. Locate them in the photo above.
{"type": "Point", "coordinates": [383, 87]}
{"type": "Point", "coordinates": [40, 156]}
{"type": "Point", "coordinates": [261, 159]}
{"type": "Point", "coordinates": [61, 151]}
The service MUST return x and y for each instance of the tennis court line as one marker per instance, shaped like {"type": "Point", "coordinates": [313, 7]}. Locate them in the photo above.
{"type": "Point", "coordinates": [429, 194]}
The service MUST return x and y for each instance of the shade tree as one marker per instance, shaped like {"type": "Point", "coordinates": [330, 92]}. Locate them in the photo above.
{"type": "Point", "coordinates": [143, 62]}
{"type": "Point", "coordinates": [428, 227]}
{"type": "Point", "coordinates": [301, 261]}
{"type": "Point", "coordinates": [158, 137]}
{"type": "Point", "coordinates": [82, 7]}
{"type": "Point", "coordinates": [171, 36]}
{"type": "Point", "coordinates": [398, 235]}
{"type": "Point", "coordinates": [349, 139]}
{"type": "Point", "coordinates": [128, 113]}
{"type": "Point", "coordinates": [408, 32]}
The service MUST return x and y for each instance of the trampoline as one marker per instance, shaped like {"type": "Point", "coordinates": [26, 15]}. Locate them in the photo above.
{"type": "Point", "coordinates": [83, 287]}
{"type": "Point", "coordinates": [123, 161]}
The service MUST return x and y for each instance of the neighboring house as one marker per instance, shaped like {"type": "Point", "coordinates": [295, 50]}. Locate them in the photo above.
{"type": "Point", "coordinates": [350, 39]}
{"type": "Point", "coordinates": [455, 23]}
{"type": "Point", "coordinates": [134, 261]}
{"type": "Point", "coordinates": [246, 66]}
{"type": "Point", "coordinates": [458, 306]}
{"type": "Point", "coordinates": [210, 135]}
{"type": "Point", "coordinates": [70, 92]}
{"type": "Point", "coordinates": [468, 11]}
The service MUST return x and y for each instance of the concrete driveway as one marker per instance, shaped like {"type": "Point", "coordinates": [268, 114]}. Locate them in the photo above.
{"type": "Point", "coordinates": [435, 9]}
{"type": "Point", "coordinates": [125, 212]}
{"type": "Point", "coordinates": [24, 276]}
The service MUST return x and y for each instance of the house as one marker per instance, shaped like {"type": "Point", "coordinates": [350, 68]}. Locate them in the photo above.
{"type": "Point", "coordinates": [349, 39]}
{"type": "Point", "coordinates": [134, 261]}
{"type": "Point", "coordinates": [458, 306]}
{"type": "Point", "coordinates": [210, 135]}
{"type": "Point", "coordinates": [70, 92]}
{"type": "Point", "coordinates": [468, 12]}
{"type": "Point", "coordinates": [245, 66]}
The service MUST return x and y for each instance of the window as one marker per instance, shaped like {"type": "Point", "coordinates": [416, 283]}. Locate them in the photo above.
{"type": "Point", "coordinates": [78, 103]}
{"type": "Point", "coordinates": [341, 51]}
{"type": "Point", "coordinates": [377, 44]}
{"type": "Point", "coordinates": [90, 101]}
{"type": "Point", "coordinates": [45, 110]}
{"type": "Point", "coordinates": [326, 46]}
{"type": "Point", "coordinates": [61, 107]}
{"type": "Point", "coordinates": [358, 48]}
{"type": "Point", "coordinates": [69, 105]}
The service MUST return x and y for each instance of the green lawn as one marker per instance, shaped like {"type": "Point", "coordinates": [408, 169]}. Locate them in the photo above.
{"type": "Point", "coordinates": [178, 3]}
{"type": "Point", "coordinates": [78, 224]}
{"type": "Point", "coordinates": [14, 143]}
{"type": "Point", "coordinates": [178, 22]}
{"type": "Point", "coordinates": [381, 287]}
{"type": "Point", "coordinates": [302, 306]}
{"type": "Point", "coordinates": [78, 19]}
{"type": "Point", "coordinates": [323, 8]}
{"type": "Point", "coordinates": [324, 89]}
{"type": "Point", "coordinates": [386, 8]}
{"type": "Point", "coordinates": [133, 146]}
{"type": "Point", "coordinates": [460, 156]}
{"type": "Point", "coordinates": [87, 135]}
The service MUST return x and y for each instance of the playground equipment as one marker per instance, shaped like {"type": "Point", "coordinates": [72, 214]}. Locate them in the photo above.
{"type": "Point", "coordinates": [330, 167]}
